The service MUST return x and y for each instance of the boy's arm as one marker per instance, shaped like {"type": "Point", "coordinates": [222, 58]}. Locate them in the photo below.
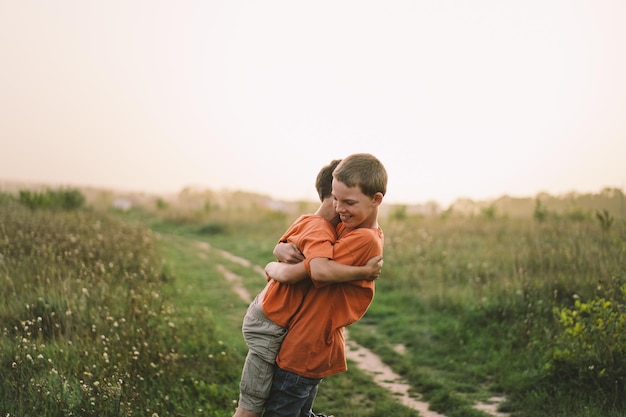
{"type": "Point", "coordinates": [289, 269]}
{"type": "Point", "coordinates": [285, 272]}
{"type": "Point", "coordinates": [328, 271]}
{"type": "Point", "coordinates": [325, 270]}
{"type": "Point", "coordinates": [287, 252]}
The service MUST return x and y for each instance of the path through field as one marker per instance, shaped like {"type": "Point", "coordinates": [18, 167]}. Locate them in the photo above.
{"type": "Point", "coordinates": [365, 359]}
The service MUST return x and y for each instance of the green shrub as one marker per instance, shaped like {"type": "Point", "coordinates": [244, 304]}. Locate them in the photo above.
{"type": "Point", "coordinates": [161, 204]}
{"type": "Point", "coordinates": [541, 212]}
{"type": "Point", "coordinates": [590, 351]}
{"type": "Point", "coordinates": [68, 199]}
{"type": "Point", "coordinates": [605, 219]}
{"type": "Point", "coordinates": [213, 228]}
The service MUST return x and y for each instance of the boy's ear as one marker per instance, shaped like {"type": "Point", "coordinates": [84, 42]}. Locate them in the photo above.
{"type": "Point", "coordinates": [378, 198]}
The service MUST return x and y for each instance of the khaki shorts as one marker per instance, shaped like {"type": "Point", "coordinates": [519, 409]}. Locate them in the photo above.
{"type": "Point", "coordinates": [263, 338]}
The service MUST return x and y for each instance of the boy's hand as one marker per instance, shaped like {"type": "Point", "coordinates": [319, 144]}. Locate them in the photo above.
{"type": "Point", "coordinates": [270, 270]}
{"type": "Point", "coordinates": [288, 252]}
{"type": "Point", "coordinates": [376, 266]}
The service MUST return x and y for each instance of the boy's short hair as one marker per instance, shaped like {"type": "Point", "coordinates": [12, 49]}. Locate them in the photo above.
{"type": "Point", "coordinates": [363, 170]}
{"type": "Point", "coordinates": [324, 181]}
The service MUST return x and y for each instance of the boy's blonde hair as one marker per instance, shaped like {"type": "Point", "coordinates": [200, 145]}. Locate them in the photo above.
{"type": "Point", "coordinates": [363, 170]}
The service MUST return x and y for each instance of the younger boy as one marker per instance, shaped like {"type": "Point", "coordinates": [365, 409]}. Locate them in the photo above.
{"type": "Point", "coordinates": [269, 315]}
{"type": "Point", "coordinates": [314, 347]}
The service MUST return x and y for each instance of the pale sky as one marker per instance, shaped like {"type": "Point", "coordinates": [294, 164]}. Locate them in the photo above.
{"type": "Point", "coordinates": [458, 98]}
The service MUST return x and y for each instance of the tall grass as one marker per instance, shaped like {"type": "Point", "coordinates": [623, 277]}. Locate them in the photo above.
{"type": "Point", "coordinates": [529, 307]}
{"type": "Point", "coordinates": [478, 303]}
{"type": "Point", "coordinates": [86, 330]}
{"type": "Point", "coordinates": [481, 298]}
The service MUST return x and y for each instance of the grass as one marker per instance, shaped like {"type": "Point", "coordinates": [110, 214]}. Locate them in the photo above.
{"type": "Point", "coordinates": [473, 301]}
{"type": "Point", "coordinates": [478, 300]}
{"type": "Point", "coordinates": [89, 327]}
{"type": "Point", "coordinates": [129, 314]}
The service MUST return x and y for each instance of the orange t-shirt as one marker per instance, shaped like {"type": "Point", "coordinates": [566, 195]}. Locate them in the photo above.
{"type": "Point", "coordinates": [314, 236]}
{"type": "Point", "coordinates": [314, 347]}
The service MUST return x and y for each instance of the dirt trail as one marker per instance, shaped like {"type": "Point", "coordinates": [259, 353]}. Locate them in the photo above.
{"type": "Point", "coordinates": [365, 359]}
{"type": "Point", "coordinates": [370, 363]}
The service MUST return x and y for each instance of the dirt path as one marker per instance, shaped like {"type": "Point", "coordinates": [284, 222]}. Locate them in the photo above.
{"type": "Point", "coordinates": [364, 358]}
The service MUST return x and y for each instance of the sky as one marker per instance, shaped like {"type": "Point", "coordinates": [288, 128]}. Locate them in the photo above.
{"type": "Point", "coordinates": [458, 99]}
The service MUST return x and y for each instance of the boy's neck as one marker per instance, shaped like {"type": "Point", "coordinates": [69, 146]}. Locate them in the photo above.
{"type": "Point", "coordinates": [327, 211]}
{"type": "Point", "coordinates": [370, 223]}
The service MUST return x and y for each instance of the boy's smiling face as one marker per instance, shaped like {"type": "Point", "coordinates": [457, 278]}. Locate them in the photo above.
{"type": "Point", "coordinates": [355, 208]}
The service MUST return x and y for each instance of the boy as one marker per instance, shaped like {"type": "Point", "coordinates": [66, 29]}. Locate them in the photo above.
{"type": "Point", "coordinates": [314, 346]}
{"type": "Point", "coordinates": [269, 315]}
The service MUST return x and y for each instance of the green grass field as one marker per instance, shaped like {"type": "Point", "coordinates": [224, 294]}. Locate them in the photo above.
{"type": "Point", "coordinates": [120, 314]}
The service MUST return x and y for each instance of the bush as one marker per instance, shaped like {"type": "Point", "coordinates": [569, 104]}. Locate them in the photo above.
{"type": "Point", "coordinates": [213, 228]}
{"type": "Point", "coordinates": [69, 199]}
{"type": "Point", "coordinates": [590, 350]}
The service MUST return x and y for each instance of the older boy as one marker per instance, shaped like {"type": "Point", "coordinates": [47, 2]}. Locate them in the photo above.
{"type": "Point", "coordinates": [314, 346]}
{"type": "Point", "coordinates": [269, 315]}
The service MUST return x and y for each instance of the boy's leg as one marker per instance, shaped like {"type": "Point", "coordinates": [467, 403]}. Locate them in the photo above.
{"type": "Point", "coordinates": [291, 395]}
{"type": "Point", "coordinates": [256, 381]}
{"type": "Point", "coordinates": [307, 409]}
{"type": "Point", "coordinates": [242, 412]}
{"type": "Point", "coordinates": [263, 338]}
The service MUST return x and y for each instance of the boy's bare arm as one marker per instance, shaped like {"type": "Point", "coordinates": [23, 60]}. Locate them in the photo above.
{"type": "Point", "coordinates": [327, 270]}
{"type": "Point", "coordinates": [289, 269]}
{"type": "Point", "coordinates": [285, 272]}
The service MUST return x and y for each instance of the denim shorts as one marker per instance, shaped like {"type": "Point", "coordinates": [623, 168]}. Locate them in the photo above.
{"type": "Point", "coordinates": [291, 395]}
